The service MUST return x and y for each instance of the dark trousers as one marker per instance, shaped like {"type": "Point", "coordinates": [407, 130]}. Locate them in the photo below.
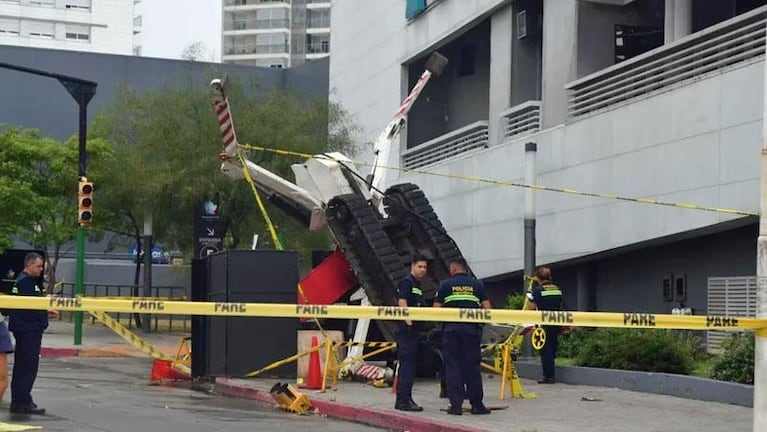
{"type": "Point", "coordinates": [25, 364]}
{"type": "Point", "coordinates": [461, 350]}
{"type": "Point", "coordinates": [407, 354]}
{"type": "Point", "coordinates": [549, 350]}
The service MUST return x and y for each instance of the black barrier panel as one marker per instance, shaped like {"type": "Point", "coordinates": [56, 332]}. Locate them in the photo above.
{"type": "Point", "coordinates": [199, 323]}
{"type": "Point", "coordinates": [237, 346]}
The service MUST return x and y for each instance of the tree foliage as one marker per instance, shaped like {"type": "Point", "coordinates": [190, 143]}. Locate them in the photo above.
{"type": "Point", "coordinates": [38, 185]}
{"type": "Point", "coordinates": [166, 146]}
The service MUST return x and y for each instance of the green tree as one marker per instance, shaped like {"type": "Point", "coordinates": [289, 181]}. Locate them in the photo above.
{"type": "Point", "coordinates": [166, 146]}
{"type": "Point", "coordinates": [39, 178]}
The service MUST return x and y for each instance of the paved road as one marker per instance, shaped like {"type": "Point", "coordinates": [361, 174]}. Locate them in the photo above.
{"type": "Point", "coordinates": [112, 395]}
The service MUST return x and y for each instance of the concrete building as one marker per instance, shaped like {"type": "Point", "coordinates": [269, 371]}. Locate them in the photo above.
{"type": "Point", "coordinates": [275, 33]}
{"type": "Point", "coordinates": [104, 26]}
{"type": "Point", "coordinates": [637, 98]}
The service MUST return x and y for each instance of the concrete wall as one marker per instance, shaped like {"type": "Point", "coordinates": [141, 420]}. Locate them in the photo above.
{"type": "Point", "coordinates": [697, 144]}
{"type": "Point", "coordinates": [43, 103]}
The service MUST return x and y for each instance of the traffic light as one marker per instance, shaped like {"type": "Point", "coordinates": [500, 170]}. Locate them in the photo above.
{"type": "Point", "coordinates": [84, 202]}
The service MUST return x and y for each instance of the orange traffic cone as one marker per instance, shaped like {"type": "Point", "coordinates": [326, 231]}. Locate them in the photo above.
{"type": "Point", "coordinates": [163, 370]}
{"type": "Point", "coordinates": [160, 370]}
{"type": "Point", "coordinates": [314, 375]}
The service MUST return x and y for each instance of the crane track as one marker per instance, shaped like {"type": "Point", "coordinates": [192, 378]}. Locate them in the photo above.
{"type": "Point", "coordinates": [378, 266]}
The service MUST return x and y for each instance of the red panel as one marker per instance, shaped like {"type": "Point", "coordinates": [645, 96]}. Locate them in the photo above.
{"type": "Point", "coordinates": [329, 281]}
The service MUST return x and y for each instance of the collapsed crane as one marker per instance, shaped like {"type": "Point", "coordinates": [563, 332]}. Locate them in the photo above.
{"type": "Point", "coordinates": [377, 232]}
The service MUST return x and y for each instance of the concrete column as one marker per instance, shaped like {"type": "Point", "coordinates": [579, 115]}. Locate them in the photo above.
{"type": "Point", "coordinates": [501, 35]}
{"type": "Point", "coordinates": [678, 20]}
{"type": "Point", "coordinates": [560, 57]}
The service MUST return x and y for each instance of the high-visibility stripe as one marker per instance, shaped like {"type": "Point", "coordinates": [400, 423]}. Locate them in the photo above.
{"type": "Point", "coordinates": [462, 297]}
{"type": "Point", "coordinates": [415, 290]}
{"type": "Point", "coordinates": [546, 293]}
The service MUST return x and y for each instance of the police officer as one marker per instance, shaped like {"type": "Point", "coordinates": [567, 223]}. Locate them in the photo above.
{"type": "Point", "coordinates": [27, 327]}
{"type": "Point", "coordinates": [461, 341]}
{"type": "Point", "coordinates": [409, 294]}
{"type": "Point", "coordinates": [547, 296]}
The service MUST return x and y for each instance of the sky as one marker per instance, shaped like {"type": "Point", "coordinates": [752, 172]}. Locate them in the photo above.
{"type": "Point", "coordinates": [168, 26]}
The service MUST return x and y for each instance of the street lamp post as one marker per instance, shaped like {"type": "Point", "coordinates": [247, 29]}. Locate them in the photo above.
{"type": "Point", "coordinates": [82, 91]}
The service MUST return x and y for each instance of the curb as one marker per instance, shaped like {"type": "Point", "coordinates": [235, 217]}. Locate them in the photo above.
{"type": "Point", "coordinates": [46, 352]}
{"type": "Point", "coordinates": [380, 418]}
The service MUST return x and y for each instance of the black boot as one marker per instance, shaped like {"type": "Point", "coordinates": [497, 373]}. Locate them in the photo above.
{"type": "Point", "coordinates": [408, 405]}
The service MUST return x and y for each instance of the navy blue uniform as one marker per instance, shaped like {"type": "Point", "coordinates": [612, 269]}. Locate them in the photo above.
{"type": "Point", "coordinates": [548, 297]}
{"type": "Point", "coordinates": [27, 327]}
{"type": "Point", "coordinates": [407, 339]}
{"type": "Point", "coordinates": [461, 341]}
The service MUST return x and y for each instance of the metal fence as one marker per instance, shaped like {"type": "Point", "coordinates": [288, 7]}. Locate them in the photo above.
{"type": "Point", "coordinates": [732, 43]}
{"type": "Point", "coordinates": [160, 322]}
{"type": "Point", "coordinates": [459, 141]}
{"type": "Point", "coordinates": [729, 296]}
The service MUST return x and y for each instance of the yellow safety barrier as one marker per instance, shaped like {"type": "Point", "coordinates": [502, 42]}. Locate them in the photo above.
{"type": "Point", "coordinates": [500, 316]}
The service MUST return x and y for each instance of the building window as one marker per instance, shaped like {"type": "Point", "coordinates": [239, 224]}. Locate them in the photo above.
{"type": "Point", "coordinates": [137, 50]}
{"type": "Point", "coordinates": [44, 30]}
{"type": "Point", "coordinates": [45, 3]}
{"type": "Point", "coordinates": [138, 21]}
{"type": "Point", "coordinates": [78, 33]}
{"type": "Point", "coordinates": [81, 5]}
{"type": "Point", "coordinates": [9, 27]}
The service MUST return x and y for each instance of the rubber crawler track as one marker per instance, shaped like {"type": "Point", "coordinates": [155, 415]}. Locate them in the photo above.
{"type": "Point", "coordinates": [376, 263]}
{"type": "Point", "coordinates": [426, 230]}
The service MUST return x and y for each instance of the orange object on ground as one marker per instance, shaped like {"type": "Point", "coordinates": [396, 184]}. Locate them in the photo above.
{"type": "Point", "coordinates": [314, 375]}
{"type": "Point", "coordinates": [163, 370]}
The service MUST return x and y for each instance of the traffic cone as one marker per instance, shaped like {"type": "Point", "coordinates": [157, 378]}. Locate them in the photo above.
{"type": "Point", "coordinates": [160, 370]}
{"type": "Point", "coordinates": [314, 375]}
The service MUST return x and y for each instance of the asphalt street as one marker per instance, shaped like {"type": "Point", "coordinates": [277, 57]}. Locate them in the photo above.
{"type": "Point", "coordinates": [113, 395]}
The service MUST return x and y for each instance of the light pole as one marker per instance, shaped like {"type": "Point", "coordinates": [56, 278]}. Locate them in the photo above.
{"type": "Point", "coordinates": [82, 91]}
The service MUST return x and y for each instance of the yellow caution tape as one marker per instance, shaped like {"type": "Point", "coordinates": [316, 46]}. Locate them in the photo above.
{"type": "Point", "coordinates": [10, 427]}
{"type": "Point", "coordinates": [133, 339]}
{"type": "Point", "coordinates": [395, 313]}
{"type": "Point", "coordinates": [517, 184]}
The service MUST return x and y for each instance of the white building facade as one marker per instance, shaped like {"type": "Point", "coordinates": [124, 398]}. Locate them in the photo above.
{"type": "Point", "coordinates": [103, 26]}
{"type": "Point", "coordinates": [275, 33]}
{"type": "Point", "coordinates": [658, 99]}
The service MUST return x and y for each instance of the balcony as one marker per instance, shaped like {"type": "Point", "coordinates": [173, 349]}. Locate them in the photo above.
{"type": "Point", "coordinates": [253, 24]}
{"type": "Point", "coordinates": [318, 48]}
{"type": "Point", "coordinates": [523, 119]}
{"type": "Point", "coordinates": [730, 44]}
{"type": "Point", "coordinates": [228, 3]}
{"type": "Point", "coordinates": [459, 141]}
{"type": "Point", "coordinates": [257, 49]}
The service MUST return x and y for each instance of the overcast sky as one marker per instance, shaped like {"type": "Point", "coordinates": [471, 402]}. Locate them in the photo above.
{"type": "Point", "coordinates": [168, 26]}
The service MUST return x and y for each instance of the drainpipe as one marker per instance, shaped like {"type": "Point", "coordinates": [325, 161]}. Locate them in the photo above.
{"type": "Point", "coordinates": [760, 354]}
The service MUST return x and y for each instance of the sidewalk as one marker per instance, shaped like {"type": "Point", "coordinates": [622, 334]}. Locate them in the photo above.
{"type": "Point", "coordinates": [99, 341]}
{"type": "Point", "coordinates": [557, 408]}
